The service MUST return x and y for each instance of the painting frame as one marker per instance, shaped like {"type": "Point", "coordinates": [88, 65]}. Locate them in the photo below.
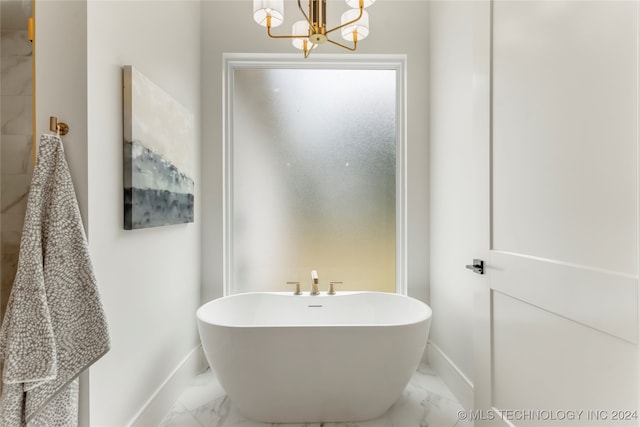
{"type": "Point", "coordinates": [158, 165]}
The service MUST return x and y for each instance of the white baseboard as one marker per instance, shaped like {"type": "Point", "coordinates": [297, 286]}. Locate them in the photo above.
{"type": "Point", "coordinates": [458, 383]}
{"type": "Point", "coordinates": [161, 402]}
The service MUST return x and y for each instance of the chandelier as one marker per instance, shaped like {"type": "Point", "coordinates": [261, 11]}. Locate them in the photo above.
{"type": "Point", "coordinates": [312, 31]}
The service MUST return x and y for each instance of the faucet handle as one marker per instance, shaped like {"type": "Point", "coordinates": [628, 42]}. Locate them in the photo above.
{"type": "Point", "coordinates": [331, 290]}
{"type": "Point", "coordinates": [298, 291]}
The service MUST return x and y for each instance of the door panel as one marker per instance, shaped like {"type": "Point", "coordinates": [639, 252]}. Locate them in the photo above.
{"type": "Point", "coordinates": [546, 362]}
{"type": "Point", "coordinates": [564, 132]}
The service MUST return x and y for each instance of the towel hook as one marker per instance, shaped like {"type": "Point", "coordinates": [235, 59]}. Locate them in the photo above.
{"type": "Point", "coordinates": [55, 125]}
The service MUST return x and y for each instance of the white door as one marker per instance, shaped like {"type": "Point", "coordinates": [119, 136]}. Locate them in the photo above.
{"type": "Point", "coordinates": [556, 113]}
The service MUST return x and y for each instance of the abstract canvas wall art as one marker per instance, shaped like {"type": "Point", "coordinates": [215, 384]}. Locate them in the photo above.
{"type": "Point", "coordinates": [158, 155]}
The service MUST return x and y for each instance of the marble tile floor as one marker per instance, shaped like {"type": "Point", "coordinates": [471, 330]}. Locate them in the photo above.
{"type": "Point", "coordinates": [426, 402]}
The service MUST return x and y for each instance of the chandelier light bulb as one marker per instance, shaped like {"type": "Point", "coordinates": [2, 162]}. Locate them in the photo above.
{"type": "Point", "coordinates": [300, 28]}
{"type": "Point", "coordinates": [361, 27]}
{"type": "Point", "coordinates": [264, 8]}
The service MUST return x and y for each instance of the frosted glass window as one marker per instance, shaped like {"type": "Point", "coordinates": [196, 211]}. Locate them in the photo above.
{"type": "Point", "coordinates": [313, 178]}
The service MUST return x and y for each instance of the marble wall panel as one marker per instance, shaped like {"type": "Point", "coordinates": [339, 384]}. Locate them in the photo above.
{"type": "Point", "coordinates": [15, 43]}
{"type": "Point", "coordinates": [15, 150]}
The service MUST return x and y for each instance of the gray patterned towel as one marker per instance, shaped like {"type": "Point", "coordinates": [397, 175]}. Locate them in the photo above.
{"type": "Point", "coordinates": [54, 326]}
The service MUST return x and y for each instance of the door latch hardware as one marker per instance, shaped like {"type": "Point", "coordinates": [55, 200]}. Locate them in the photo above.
{"type": "Point", "coordinates": [477, 266]}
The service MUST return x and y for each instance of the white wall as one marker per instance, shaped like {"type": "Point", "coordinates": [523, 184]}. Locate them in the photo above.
{"type": "Point", "coordinates": [453, 208]}
{"type": "Point", "coordinates": [228, 26]}
{"type": "Point", "coordinates": [61, 82]}
{"type": "Point", "coordinates": [149, 279]}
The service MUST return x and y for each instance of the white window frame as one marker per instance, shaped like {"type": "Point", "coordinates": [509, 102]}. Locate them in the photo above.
{"type": "Point", "coordinates": [235, 61]}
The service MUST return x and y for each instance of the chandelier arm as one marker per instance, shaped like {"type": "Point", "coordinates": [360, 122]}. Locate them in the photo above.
{"type": "Point", "coordinates": [307, 52]}
{"type": "Point", "coordinates": [273, 36]}
{"type": "Point", "coordinates": [347, 23]}
{"type": "Point", "coordinates": [355, 45]}
{"type": "Point", "coordinates": [306, 17]}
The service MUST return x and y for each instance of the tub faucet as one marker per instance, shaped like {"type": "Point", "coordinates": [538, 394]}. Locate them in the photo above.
{"type": "Point", "coordinates": [314, 283]}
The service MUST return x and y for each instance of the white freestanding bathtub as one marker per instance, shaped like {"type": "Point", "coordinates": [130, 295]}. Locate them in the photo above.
{"type": "Point", "coordinates": [283, 358]}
